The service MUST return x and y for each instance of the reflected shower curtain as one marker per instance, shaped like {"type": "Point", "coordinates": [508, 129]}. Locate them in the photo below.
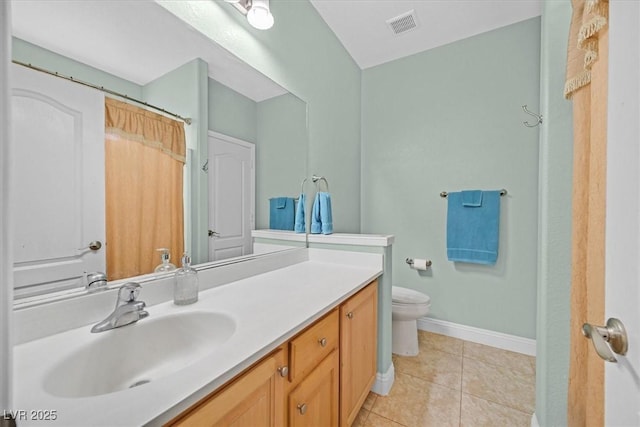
{"type": "Point", "coordinates": [144, 159]}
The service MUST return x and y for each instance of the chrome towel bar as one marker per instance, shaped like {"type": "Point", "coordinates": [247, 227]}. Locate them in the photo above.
{"type": "Point", "coordinates": [503, 192]}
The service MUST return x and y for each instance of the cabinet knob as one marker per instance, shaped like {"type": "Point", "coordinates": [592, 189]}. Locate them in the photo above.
{"type": "Point", "coordinates": [283, 370]}
{"type": "Point", "coordinates": [302, 408]}
{"type": "Point", "coordinates": [350, 315]}
{"type": "Point", "coordinates": [322, 342]}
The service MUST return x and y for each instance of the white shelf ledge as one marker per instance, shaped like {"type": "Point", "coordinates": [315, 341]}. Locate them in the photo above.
{"type": "Point", "coordinates": [335, 238]}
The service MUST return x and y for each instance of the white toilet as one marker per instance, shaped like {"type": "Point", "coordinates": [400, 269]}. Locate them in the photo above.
{"type": "Point", "coordinates": [406, 307]}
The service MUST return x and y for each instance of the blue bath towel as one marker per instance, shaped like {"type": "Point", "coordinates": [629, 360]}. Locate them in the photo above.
{"type": "Point", "coordinates": [473, 231]}
{"type": "Point", "coordinates": [281, 213]}
{"type": "Point", "coordinates": [300, 226]}
{"type": "Point", "coordinates": [321, 216]}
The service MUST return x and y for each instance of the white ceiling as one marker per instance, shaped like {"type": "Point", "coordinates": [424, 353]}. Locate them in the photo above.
{"type": "Point", "coordinates": [361, 24]}
{"type": "Point", "coordinates": [135, 40]}
{"type": "Point", "coordinates": [141, 41]}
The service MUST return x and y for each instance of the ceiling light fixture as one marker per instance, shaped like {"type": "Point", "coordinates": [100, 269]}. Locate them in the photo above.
{"type": "Point", "coordinates": [257, 12]}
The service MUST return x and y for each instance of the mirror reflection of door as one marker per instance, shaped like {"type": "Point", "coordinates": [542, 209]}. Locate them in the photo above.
{"type": "Point", "coordinates": [58, 187]}
{"type": "Point", "coordinates": [231, 196]}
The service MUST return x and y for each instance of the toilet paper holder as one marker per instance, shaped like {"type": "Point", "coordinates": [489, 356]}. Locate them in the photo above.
{"type": "Point", "coordinates": [410, 262]}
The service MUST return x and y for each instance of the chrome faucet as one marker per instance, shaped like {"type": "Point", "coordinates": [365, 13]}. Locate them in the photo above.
{"type": "Point", "coordinates": [128, 310]}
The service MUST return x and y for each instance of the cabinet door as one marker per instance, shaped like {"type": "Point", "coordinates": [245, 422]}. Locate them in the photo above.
{"type": "Point", "coordinates": [253, 400]}
{"type": "Point", "coordinates": [314, 402]}
{"type": "Point", "coordinates": [358, 350]}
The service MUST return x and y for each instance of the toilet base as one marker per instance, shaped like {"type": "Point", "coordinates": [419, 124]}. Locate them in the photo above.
{"type": "Point", "coordinates": [404, 337]}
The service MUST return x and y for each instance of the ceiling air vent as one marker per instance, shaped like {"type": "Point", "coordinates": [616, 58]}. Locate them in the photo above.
{"type": "Point", "coordinates": [403, 23]}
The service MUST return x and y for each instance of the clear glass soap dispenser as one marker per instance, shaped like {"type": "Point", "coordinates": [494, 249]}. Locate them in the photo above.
{"type": "Point", "coordinates": [186, 286]}
{"type": "Point", "coordinates": [165, 265]}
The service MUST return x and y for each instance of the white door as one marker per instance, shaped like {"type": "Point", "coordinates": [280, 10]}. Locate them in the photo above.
{"type": "Point", "coordinates": [58, 181]}
{"type": "Point", "coordinates": [231, 196]}
{"type": "Point", "coordinates": [622, 379]}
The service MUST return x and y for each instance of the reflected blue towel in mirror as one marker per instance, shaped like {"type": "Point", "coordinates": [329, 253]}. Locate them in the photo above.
{"type": "Point", "coordinates": [300, 225]}
{"type": "Point", "coordinates": [473, 230]}
{"type": "Point", "coordinates": [281, 213]}
{"type": "Point", "coordinates": [321, 216]}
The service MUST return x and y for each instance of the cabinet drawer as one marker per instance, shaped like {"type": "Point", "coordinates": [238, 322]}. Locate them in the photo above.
{"type": "Point", "coordinates": [314, 402]}
{"type": "Point", "coordinates": [314, 344]}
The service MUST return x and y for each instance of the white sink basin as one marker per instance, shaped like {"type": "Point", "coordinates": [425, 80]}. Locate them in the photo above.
{"type": "Point", "coordinates": [136, 354]}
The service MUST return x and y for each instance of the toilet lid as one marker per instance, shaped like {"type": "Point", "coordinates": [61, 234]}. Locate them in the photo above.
{"type": "Point", "coordinates": [401, 295]}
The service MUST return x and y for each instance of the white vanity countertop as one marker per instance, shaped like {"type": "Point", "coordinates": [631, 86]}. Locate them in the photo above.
{"type": "Point", "coordinates": [268, 309]}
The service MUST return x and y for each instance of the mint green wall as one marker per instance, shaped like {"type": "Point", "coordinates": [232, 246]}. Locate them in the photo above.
{"type": "Point", "coordinates": [554, 258]}
{"type": "Point", "coordinates": [232, 113]}
{"type": "Point", "coordinates": [184, 91]}
{"type": "Point", "coordinates": [281, 151]}
{"type": "Point", "coordinates": [29, 53]}
{"type": "Point", "coordinates": [449, 119]}
{"type": "Point", "coordinates": [301, 54]}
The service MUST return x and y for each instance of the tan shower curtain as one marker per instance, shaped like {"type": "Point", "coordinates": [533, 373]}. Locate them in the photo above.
{"type": "Point", "coordinates": [587, 71]}
{"type": "Point", "coordinates": [145, 157]}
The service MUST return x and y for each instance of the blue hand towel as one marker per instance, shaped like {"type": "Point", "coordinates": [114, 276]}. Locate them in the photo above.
{"type": "Point", "coordinates": [473, 231]}
{"type": "Point", "coordinates": [472, 198]}
{"type": "Point", "coordinates": [321, 217]}
{"type": "Point", "coordinates": [300, 225]}
{"type": "Point", "coordinates": [281, 213]}
{"type": "Point", "coordinates": [316, 221]}
{"type": "Point", "coordinates": [325, 213]}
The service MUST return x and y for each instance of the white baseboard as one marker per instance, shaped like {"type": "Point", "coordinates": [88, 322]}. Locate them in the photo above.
{"type": "Point", "coordinates": [534, 420]}
{"type": "Point", "coordinates": [384, 382]}
{"type": "Point", "coordinates": [481, 336]}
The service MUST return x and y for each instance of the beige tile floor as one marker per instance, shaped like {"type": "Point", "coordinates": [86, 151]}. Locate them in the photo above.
{"type": "Point", "coordinates": [455, 383]}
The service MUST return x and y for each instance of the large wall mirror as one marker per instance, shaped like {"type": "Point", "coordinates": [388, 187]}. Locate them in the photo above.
{"type": "Point", "coordinates": [247, 143]}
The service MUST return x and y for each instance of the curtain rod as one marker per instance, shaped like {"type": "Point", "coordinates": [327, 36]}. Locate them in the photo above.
{"type": "Point", "coordinates": [187, 120]}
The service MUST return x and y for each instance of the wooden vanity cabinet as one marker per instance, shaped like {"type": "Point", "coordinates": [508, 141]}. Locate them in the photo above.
{"type": "Point", "coordinates": [321, 377]}
{"type": "Point", "coordinates": [256, 398]}
{"type": "Point", "coordinates": [358, 351]}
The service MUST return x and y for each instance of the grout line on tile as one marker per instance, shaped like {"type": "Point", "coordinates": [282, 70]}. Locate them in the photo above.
{"type": "Point", "coordinates": [527, 376]}
{"type": "Point", "coordinates": [364, 422]}
{"type": "Point", "coordinates": [386, 418]}
{"type": "Point", "coordinates": [497, 403]}
{"type": "Point", "coordinates": [430, 382]}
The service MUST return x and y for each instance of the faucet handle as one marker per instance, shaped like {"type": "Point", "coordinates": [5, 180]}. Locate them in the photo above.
{"type": "Point", "coordinates": [129, 292]}
{"type": "Point", "coordinates": [95, 281]}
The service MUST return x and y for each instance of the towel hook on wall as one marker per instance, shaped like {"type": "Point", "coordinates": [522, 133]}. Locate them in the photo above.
{"type": "Point", "coordinates": [531, 113]}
